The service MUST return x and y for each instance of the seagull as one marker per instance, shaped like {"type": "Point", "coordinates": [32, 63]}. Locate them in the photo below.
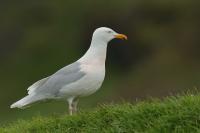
{"type": "Point", "coordinates": [79, 79]}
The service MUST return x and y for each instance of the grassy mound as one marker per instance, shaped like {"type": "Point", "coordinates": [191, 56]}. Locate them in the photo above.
{"type": "Point", "coordinates": [173, 114]}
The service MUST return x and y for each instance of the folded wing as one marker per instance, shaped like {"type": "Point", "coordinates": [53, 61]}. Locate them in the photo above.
{"type": "Point", "coordinates": [50, 86]}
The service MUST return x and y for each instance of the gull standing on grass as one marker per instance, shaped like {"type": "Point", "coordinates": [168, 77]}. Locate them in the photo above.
{"type": "Point", "coordinates": [81, 78]}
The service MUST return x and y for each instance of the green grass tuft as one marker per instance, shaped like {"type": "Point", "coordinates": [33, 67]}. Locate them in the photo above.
{"type": "Point", "coordinates": [173, 114]}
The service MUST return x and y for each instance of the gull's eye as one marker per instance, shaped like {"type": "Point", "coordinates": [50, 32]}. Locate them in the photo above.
{"type": "Point", "coordinates": [109, 31]}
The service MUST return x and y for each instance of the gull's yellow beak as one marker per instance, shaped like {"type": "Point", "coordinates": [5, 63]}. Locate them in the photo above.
{"type": "Point", "coordinates": [121, 36]}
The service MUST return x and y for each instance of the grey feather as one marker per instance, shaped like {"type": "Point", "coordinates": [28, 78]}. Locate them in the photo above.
{"type": "Point", "coordinates": [64, 76]}
{"type": "Point", "coordinates": [37, 84]}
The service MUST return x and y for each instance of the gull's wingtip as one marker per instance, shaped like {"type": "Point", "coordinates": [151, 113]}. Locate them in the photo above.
{"type": "Point", "coordinates": [15, 105]}
{"type": "Point", "coordinates": [12, 106]}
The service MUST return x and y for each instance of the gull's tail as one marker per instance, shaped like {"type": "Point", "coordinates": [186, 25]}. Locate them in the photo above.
{"type": "Point", "coordinates": [24, 102]}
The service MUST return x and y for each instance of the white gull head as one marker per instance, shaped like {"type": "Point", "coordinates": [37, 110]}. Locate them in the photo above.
{"type": "Point", "coordinates": [104, 34]}
{"type": "Point", "coordinates": [96, 54]}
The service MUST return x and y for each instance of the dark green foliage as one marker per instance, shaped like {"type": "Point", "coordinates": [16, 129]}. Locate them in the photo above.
{"type": "Point", "coordinates": [173, 114]}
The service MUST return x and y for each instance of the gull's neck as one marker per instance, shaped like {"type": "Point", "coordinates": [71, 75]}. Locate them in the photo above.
{"type": "Point", "coordinates": [96, 54]}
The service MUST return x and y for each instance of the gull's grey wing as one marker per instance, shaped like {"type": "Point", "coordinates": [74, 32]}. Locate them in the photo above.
{"type": "Point", "coordinates": [37, 84]}
{"type": "Point", "coordinates": [64, 76]}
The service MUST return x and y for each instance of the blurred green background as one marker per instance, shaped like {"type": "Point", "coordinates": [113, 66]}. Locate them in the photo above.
{"type": "Point", "coordinates": [160, 58]}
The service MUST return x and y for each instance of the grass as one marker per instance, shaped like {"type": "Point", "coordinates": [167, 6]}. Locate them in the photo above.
{"type": "Point", "coordinates": [172, 114]}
